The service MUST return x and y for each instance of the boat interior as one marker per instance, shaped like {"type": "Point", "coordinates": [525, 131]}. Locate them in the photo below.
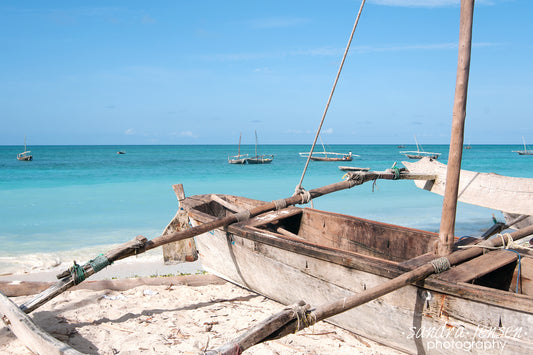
{"type": "Point", "coordinates": [381, 243]}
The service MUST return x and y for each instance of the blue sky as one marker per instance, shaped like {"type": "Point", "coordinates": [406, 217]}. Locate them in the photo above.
{"type": "Point", "coordinates": [200, 72]}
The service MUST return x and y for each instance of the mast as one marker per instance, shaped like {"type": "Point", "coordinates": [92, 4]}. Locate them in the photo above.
{"type": "Point", "coordinates": [449, 205]}
{"type": "Point", "coordinates": [416, 141]}
{"type": "Point", "coordinates": [256, 143]}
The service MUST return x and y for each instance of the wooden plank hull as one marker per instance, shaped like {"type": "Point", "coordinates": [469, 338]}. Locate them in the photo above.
{"type": "Point", "coordinates": [503, 193]}
{"type": "Point", "coordinates": [311, 267]}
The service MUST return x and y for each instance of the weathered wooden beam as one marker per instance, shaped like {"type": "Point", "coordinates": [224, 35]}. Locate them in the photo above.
{"type": "Point", "coordinates": [449, 204]}
{"type": "Point", "coordinates": [33, 336]}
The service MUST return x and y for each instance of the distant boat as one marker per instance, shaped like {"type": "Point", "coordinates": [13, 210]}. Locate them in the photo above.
{"type": "Point", "coordinates": [121, 152]}
{"type": "Point", "coordinates": [401, 146]}
{"type": "Point", "coordinates": [25, 155]}
{"type": "Point", "coordinates": [238, 159]}
{"type": "Point", "coordinates": [328, 156]}
{"type": "Point", "coordinates": [420, 153]}
{"type": "Point", "coordinates": [525, 151]}
{"type": "Point", "coordinates": [259, 159]}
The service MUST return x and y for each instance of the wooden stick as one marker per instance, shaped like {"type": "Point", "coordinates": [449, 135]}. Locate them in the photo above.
{"type": "Point", "coordinates": [34, 337]}
{"type": "Point", "coordinates": [302, 317]}
{"type": "Point", "coordinates": [140, 244]}
{"type": "Point", "coordinates": [449, 204]}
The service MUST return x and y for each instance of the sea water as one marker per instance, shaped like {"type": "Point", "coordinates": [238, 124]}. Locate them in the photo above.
{"type": "Point", "coordinates": [78, 201]}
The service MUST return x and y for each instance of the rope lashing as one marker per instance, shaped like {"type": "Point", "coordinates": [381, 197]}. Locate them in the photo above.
{"type": "Point", "coordinates": [396, 173]}
{"type": "Point", "coordinates": [78, 273]}
{"type": "Point", "coordinates": [280, 204]}
{"type": "Point", "coordinates": [242, 216]}
{"type": "Point", "coordinates": [304, 195]}
{"type": "Point", "coordinates": [99, 263]}
{"type": "Point", "coordinates": [440, 264]}
{"type": "Point", "coordinates": [303, 316]}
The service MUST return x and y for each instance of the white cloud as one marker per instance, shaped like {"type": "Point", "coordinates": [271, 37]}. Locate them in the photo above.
{"type": "Point", "coordinates": [129, 132]}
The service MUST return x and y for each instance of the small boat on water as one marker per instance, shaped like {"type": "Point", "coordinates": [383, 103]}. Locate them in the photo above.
{"type": "Point", "coordinates": [328, 156]}
{"type": "Point", "coordinates": [239, 158]}
{"type": "Point", "coordinates": [526, 151]}
{"type": "Point", "coordinates": [419, 153]}
{"type": "Point", "coordinates": [121, 152]}
{"type": "Point", "coordinates": [25, 155]}
{"type": "Point", "coordinates": [259, 159]}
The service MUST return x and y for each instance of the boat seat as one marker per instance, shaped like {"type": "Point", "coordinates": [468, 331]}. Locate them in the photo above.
{"type": "Point", "coordinates": [480, 266]}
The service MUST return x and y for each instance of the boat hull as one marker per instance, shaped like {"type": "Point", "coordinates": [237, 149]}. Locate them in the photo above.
{"type": "Point", "coordinates": [412, 319]}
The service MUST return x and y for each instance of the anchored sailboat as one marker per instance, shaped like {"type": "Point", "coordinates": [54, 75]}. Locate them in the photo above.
{"type": "Point", "coordinates": [239, 158]}
{"type": "Point", "coordinates": [419, 153]}
{"type": "Point", "coordinates": [25, 155]}
{"type": "Point", "coordinates": [259, 159]}
{"type": "Point", "coordinates": [525, 151]}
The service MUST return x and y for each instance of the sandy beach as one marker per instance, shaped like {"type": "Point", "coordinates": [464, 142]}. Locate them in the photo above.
{"type": "Point", "coordinates": [165, 315]}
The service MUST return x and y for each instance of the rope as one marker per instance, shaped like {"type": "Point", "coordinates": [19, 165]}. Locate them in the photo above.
{"type": "Point", "coordinates": [304, 195]}
{"type": "Point", "coordinates": [396, 173]}
{"type": "Point", "coordinates": [440, 264]}
{"type": "Point", "coordinates": [242, 216]}
{"type": "Point", "coordinates": [331, 94]}
{"type": "Point", "coordinates": [99, 263]}
{"type": "Point", "coordinates": [280, 204]}
{"type": "Point", "coordinates": [78, 273]}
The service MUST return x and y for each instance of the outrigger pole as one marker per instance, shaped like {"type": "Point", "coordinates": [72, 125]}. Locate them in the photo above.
{"type": "Point", "coordinates": [140, 244]}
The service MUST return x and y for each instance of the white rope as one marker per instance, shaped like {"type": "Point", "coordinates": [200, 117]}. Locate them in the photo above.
{"type": "Point", "coordinates": [511, 244]}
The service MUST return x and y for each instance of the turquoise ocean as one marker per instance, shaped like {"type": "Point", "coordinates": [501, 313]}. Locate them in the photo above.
{"type": "Point", "coordinates": [78, 201]}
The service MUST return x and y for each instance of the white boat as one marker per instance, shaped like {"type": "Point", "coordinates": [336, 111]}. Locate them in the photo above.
{"type": "Point", "coordinates": [328, 156]}
{"type": "Point", "coordinates": [526, 151]}
{"type": "Point", "coordinates": [239, 158]}
{"type": "Point", "coordinates": [419, 153]}
{"type": "Point", "coordinates": [25, 155]}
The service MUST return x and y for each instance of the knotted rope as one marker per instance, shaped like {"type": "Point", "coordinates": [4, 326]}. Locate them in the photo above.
{"type": "Point", "coordinates": [440, 264]}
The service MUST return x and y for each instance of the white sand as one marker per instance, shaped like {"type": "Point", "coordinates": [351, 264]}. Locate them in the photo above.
{"type": "Point", "coordinates": [174, 320]}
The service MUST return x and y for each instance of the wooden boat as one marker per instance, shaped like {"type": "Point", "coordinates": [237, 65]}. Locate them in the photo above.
{"type": "Point", "coordinates": [121, 152]}
{"type": "Point", "coordinates": [482, 305]}
{"type": "Point", "coordinates": [526, 151]}
{"type": "Point", "coordinates": [25, 155]}
{"type": "Point", "coordinates": [419, 153]}
{"type": "Point", "coordinates": [259, 159]}
{"type": "Point", "coordinates": [239, 158]}
{"type": "Point", "coordinates": [302, 253]}
{"type": "Point", "coordinates": [327, 156]}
